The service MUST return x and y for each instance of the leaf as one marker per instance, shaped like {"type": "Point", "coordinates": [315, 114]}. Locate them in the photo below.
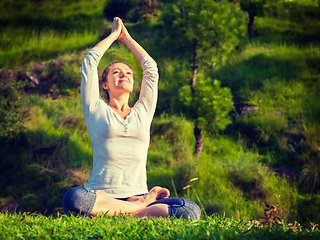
{"type": "Point", "coordinates": [267, 205]}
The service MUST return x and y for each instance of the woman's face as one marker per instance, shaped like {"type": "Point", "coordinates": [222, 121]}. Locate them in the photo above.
{"type": "Point", "coordinates": [119, 79]}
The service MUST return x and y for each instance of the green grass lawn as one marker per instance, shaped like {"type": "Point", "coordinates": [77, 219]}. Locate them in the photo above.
{"type": "Point", "coordinates": [22, 226]}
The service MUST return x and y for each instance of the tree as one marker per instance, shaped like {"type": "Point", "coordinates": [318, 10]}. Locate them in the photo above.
{"type": "Point", "coordinates": [131, 10]}
{"type": "Point", "coordinates": [119, 8]}
{"type": "Point", "coordinates": [206, 32]}
{"type": "Point", "coordinates": [255, 8]}
{"type": "Point", "coordinates": [209, 106]}
{"type": "Point", "coordinates": [148, 6]}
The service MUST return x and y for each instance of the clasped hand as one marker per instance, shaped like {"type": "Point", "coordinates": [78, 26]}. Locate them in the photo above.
{"type": "Point", "coordinates": [119, 28]}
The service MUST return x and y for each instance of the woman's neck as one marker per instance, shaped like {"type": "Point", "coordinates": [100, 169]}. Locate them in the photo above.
{"type": "Point", "coordinates": [120, 105]}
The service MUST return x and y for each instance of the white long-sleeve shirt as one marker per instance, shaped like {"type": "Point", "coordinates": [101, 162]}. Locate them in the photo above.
{"type": "Point", "coordinates": [119, 145]}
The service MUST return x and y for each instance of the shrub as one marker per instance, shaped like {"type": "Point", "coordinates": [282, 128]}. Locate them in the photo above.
{"type": "Point", "coordinates": [119, 8]}
{"type": "Point", "coordinates": [11, 110]}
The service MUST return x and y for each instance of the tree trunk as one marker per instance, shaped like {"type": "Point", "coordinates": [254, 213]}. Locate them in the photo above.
{"type": "Point", "coordinates": [197, 132]}
{"type": "Point", "coordinates": [199, 141]}
{"type": "Point", "coordinates": [194, 67]}
{"type": "Point", "coordinates": [250, 25]}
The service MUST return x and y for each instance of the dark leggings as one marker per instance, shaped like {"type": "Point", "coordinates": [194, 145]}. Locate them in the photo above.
{"type": "Point", "coordinates": [80, 201]}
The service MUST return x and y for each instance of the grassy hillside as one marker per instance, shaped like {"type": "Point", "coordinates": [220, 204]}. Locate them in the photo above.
{"type": "Point", "coordinates": [36, 30]}
{"type": "Point", "coordinates": [270, 154]}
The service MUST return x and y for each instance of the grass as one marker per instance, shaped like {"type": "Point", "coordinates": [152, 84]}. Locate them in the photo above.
{"type": "Point", "coordinates": [231, 179]}
{"type": "Point", "coordinates": [43, 29]}
{"type": "Point", "coordinates": [45, 46]}
{"type": "Point", "coordinates": [126, 227]}
{"type": "Point", "coordinates": [280, 80]}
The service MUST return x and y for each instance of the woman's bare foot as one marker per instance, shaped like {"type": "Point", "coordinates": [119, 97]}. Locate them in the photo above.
{"type": "Point", "coordinates": [163, 193]}
{"type": "Point", "coordinates": [156, 193]}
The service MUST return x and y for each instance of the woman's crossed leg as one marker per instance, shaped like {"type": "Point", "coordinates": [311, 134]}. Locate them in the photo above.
{"type": "Point", "coordinates": [82, 201]}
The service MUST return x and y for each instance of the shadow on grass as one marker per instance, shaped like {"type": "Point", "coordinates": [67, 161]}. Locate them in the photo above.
{"type": "Point", "coordinates": [37, 168]}
{"type": "Point", "coordinates": [251, 74]}
{"type": "Point", "coordinates": [292, 36]}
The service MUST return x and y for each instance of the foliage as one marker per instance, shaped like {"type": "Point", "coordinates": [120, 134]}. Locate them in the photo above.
{"type": "Point", "coordinates": [215, 27]}
{"type": "Point", "coordinates": [11, 110]}
{"type": "Point", "coordinates": [208, 31]}
{"type": "Point", "coordinates": [255, 7]}
{"type": "Point", "coordinates": [271, 214]}
{"type": "Point", "coordinates": [209, 107]}
{"type": "Point", "coordinates": [129, 10]}
{"type": "Point", "coordinates": [118, 8]}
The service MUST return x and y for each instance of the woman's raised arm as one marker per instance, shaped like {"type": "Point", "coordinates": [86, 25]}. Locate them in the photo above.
{"type": "Point", "coordinates": [119, 32]}
{"type": "Point", "coordinates": [114, 35]}
{"type": "Point", "coordinates": [125, 37]}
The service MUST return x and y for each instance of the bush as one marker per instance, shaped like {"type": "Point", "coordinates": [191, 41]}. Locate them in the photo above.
{"type": "Point", "coordinates": [11, 106]}
{"type": "Point", "coordinates": [119, 8]}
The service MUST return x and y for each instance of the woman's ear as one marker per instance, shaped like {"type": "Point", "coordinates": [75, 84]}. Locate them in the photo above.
{"type": "Point", "coordinates": [105, 85]}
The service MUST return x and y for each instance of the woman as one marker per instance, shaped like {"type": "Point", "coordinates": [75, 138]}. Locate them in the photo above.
{"type": "Point", "coordinates": [120, 138]}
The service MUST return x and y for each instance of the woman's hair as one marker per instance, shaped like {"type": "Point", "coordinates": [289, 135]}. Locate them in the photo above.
{"type": "Point", "coordinates": [105, 73]}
